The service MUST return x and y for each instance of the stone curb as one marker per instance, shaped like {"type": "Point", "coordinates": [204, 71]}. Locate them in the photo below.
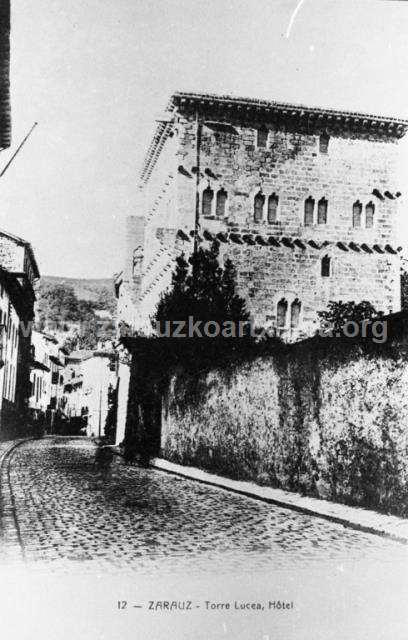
{"type": "Point", "coordinates": [7, 506]}
{"type": "Point", "coordinates": [13, 445]}
{"type": "Point", "coordinates": [352, 517]}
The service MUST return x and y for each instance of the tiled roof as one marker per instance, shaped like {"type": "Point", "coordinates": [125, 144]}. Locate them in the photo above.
{"type": "Point", "coordinates": [56, 361]}
{"type": "Point", "coordinates": [35, 364]}
{"type": "Point", "coordinates": [80, 354]}
{"type": "Point", "coordinates": [47, 336]}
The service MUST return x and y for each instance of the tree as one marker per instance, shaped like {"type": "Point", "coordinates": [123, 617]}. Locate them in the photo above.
{"type": "Point", "coordinates": [338, 314]}
{"type": "Point", "coordinates": [105, 300]}
{"type": "Point", "coordinates": [404, 290]}
{"type": "Point", "coordinates": [56, 304]}
{"type": "Point", "coordinates": [202, 289]}
{"type": "Point", "coordinates": [59, 309]}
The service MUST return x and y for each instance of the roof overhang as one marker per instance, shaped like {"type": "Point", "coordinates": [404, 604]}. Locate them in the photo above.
{"type": "Point", "coordinates": [218, 108]}
{"type": "Point", "coordinates": [35, 364]}
{"type": "Point", "coordinates": [254, 109]}
{"type": "Point", "coordinates": [56, 361]}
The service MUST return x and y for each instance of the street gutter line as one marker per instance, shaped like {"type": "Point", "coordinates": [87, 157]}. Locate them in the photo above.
{"type": "Point", "coordinates": [356, 518]}
{"type": "Point", "coordinates": [3, 459]}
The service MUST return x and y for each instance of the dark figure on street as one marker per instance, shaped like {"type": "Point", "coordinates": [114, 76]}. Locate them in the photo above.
{"type": "Point", "coordinates": [104, 457]}
{"type": "Point", "coordinates": [103, 460]}
{"type": "Point", "coordinates": [37, 423]}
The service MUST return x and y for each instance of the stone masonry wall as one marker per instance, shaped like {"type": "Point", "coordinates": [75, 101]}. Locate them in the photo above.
{"type": "Point", "coordinates": [329, 424]}
{"type": "Point", "coordinates": [266, 274]}
{"type": "Point", "coordinates": [292, 167]}
{"type": "Point", "coordinates": [11, 254]}
{"type": "Point", "coordinates": [157, 204]}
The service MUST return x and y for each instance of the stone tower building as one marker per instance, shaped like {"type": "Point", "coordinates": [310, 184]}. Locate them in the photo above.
{"type": "Point", "coordinates": [303, 200]}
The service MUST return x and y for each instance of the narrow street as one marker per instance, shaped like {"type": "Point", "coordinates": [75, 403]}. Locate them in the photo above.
{"type": "Point", "coordinates": [142, 520]}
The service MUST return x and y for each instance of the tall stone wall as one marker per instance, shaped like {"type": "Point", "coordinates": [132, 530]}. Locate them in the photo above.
{"type": "Point", "coordinates": [326, 422]}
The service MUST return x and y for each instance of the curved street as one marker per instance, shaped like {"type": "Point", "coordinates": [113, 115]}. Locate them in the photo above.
{"type": "Point", "coordinates": [58, 510]}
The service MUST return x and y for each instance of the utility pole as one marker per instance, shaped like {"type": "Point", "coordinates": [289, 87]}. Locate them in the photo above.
{"type": "Point", "coordinates": [100, 412]}
{"type": "Point", "coordinates": [197, 203]}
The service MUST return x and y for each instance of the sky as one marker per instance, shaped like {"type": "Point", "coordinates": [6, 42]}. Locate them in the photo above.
{"type": "Point", "coordinates": [96, 73]}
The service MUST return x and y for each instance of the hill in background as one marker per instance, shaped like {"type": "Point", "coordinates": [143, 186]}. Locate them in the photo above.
{"type": "Point", "coordinates": [84, 288]}
{"type": "Point", "coordinates": [68, 308]}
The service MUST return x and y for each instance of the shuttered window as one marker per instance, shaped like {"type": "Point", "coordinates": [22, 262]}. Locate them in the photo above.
{"type": "Point", "coordinates": [208, 195]}
{"type": "Point", "coordinates": [324, 143]}
{"type": "Point", "coordinates": [221, 203]}
{"type": "Point", "coordinates": [309, 209]}
{"type": "Point", "coordinates": [273, 202]}
{"type": "Point", "coordinates": [322, 211]}
{"type": "Point", "coordinates": [357, 208]}
{"type": "Point", "coordinates": [325, 267]}
{"type": "Point", "coordinates": [282, 311]}
{"type": "Point", "coordinates": [258, 206]}
{"type": "Point", "coordinates": [262, 137]}
{"type": "Point", "coordinates": [295, 313]}
{"type": "Point", "coordinates": [369, 215]}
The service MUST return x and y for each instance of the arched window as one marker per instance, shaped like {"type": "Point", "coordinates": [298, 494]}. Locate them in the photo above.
{"type": "Point", "coordinates": [322, 211]}
{"type": "Point", "coordinates": [262, 137]}
{"type": "Point", "coordinates": [259, 201]}
{"type": "Point", "coordinates": [309, 209]}
{"type": "Point", "coordinates": [221, 203]}
{"type": "Point", "coordinates": [273, 202]}
{"type": "Point", "coordinates": [357, 208]}
{"type": "Point", "coordinates": [295, 308]}
{"type": "Point", "coordinates": [369, 215]}
{"type": "Point", "coordinates": [324, 143]}
{"type": "Point", "coordinates": [208, 195]}
{"type": "Point", "coordinates": [326, 267]}
{"type": "Point", "coordinates": [281, 314]}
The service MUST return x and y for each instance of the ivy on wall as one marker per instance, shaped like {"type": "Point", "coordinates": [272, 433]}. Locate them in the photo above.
{"type": "Point", "coordinates": [327, 419]}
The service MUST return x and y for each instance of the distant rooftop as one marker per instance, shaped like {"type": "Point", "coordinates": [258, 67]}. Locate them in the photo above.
{"type": "Point", "coordinates": [47, 336]}
{"type": "Point", "coordinates": [103, 314]}
{"type": "Point", "coordinates": [80, 354]}
{"type": "Point", "coordinates": [23, 243]}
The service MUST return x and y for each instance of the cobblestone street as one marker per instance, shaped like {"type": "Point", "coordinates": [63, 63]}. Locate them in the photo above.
{"type": "Point", "coordinates": [143, 519]}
